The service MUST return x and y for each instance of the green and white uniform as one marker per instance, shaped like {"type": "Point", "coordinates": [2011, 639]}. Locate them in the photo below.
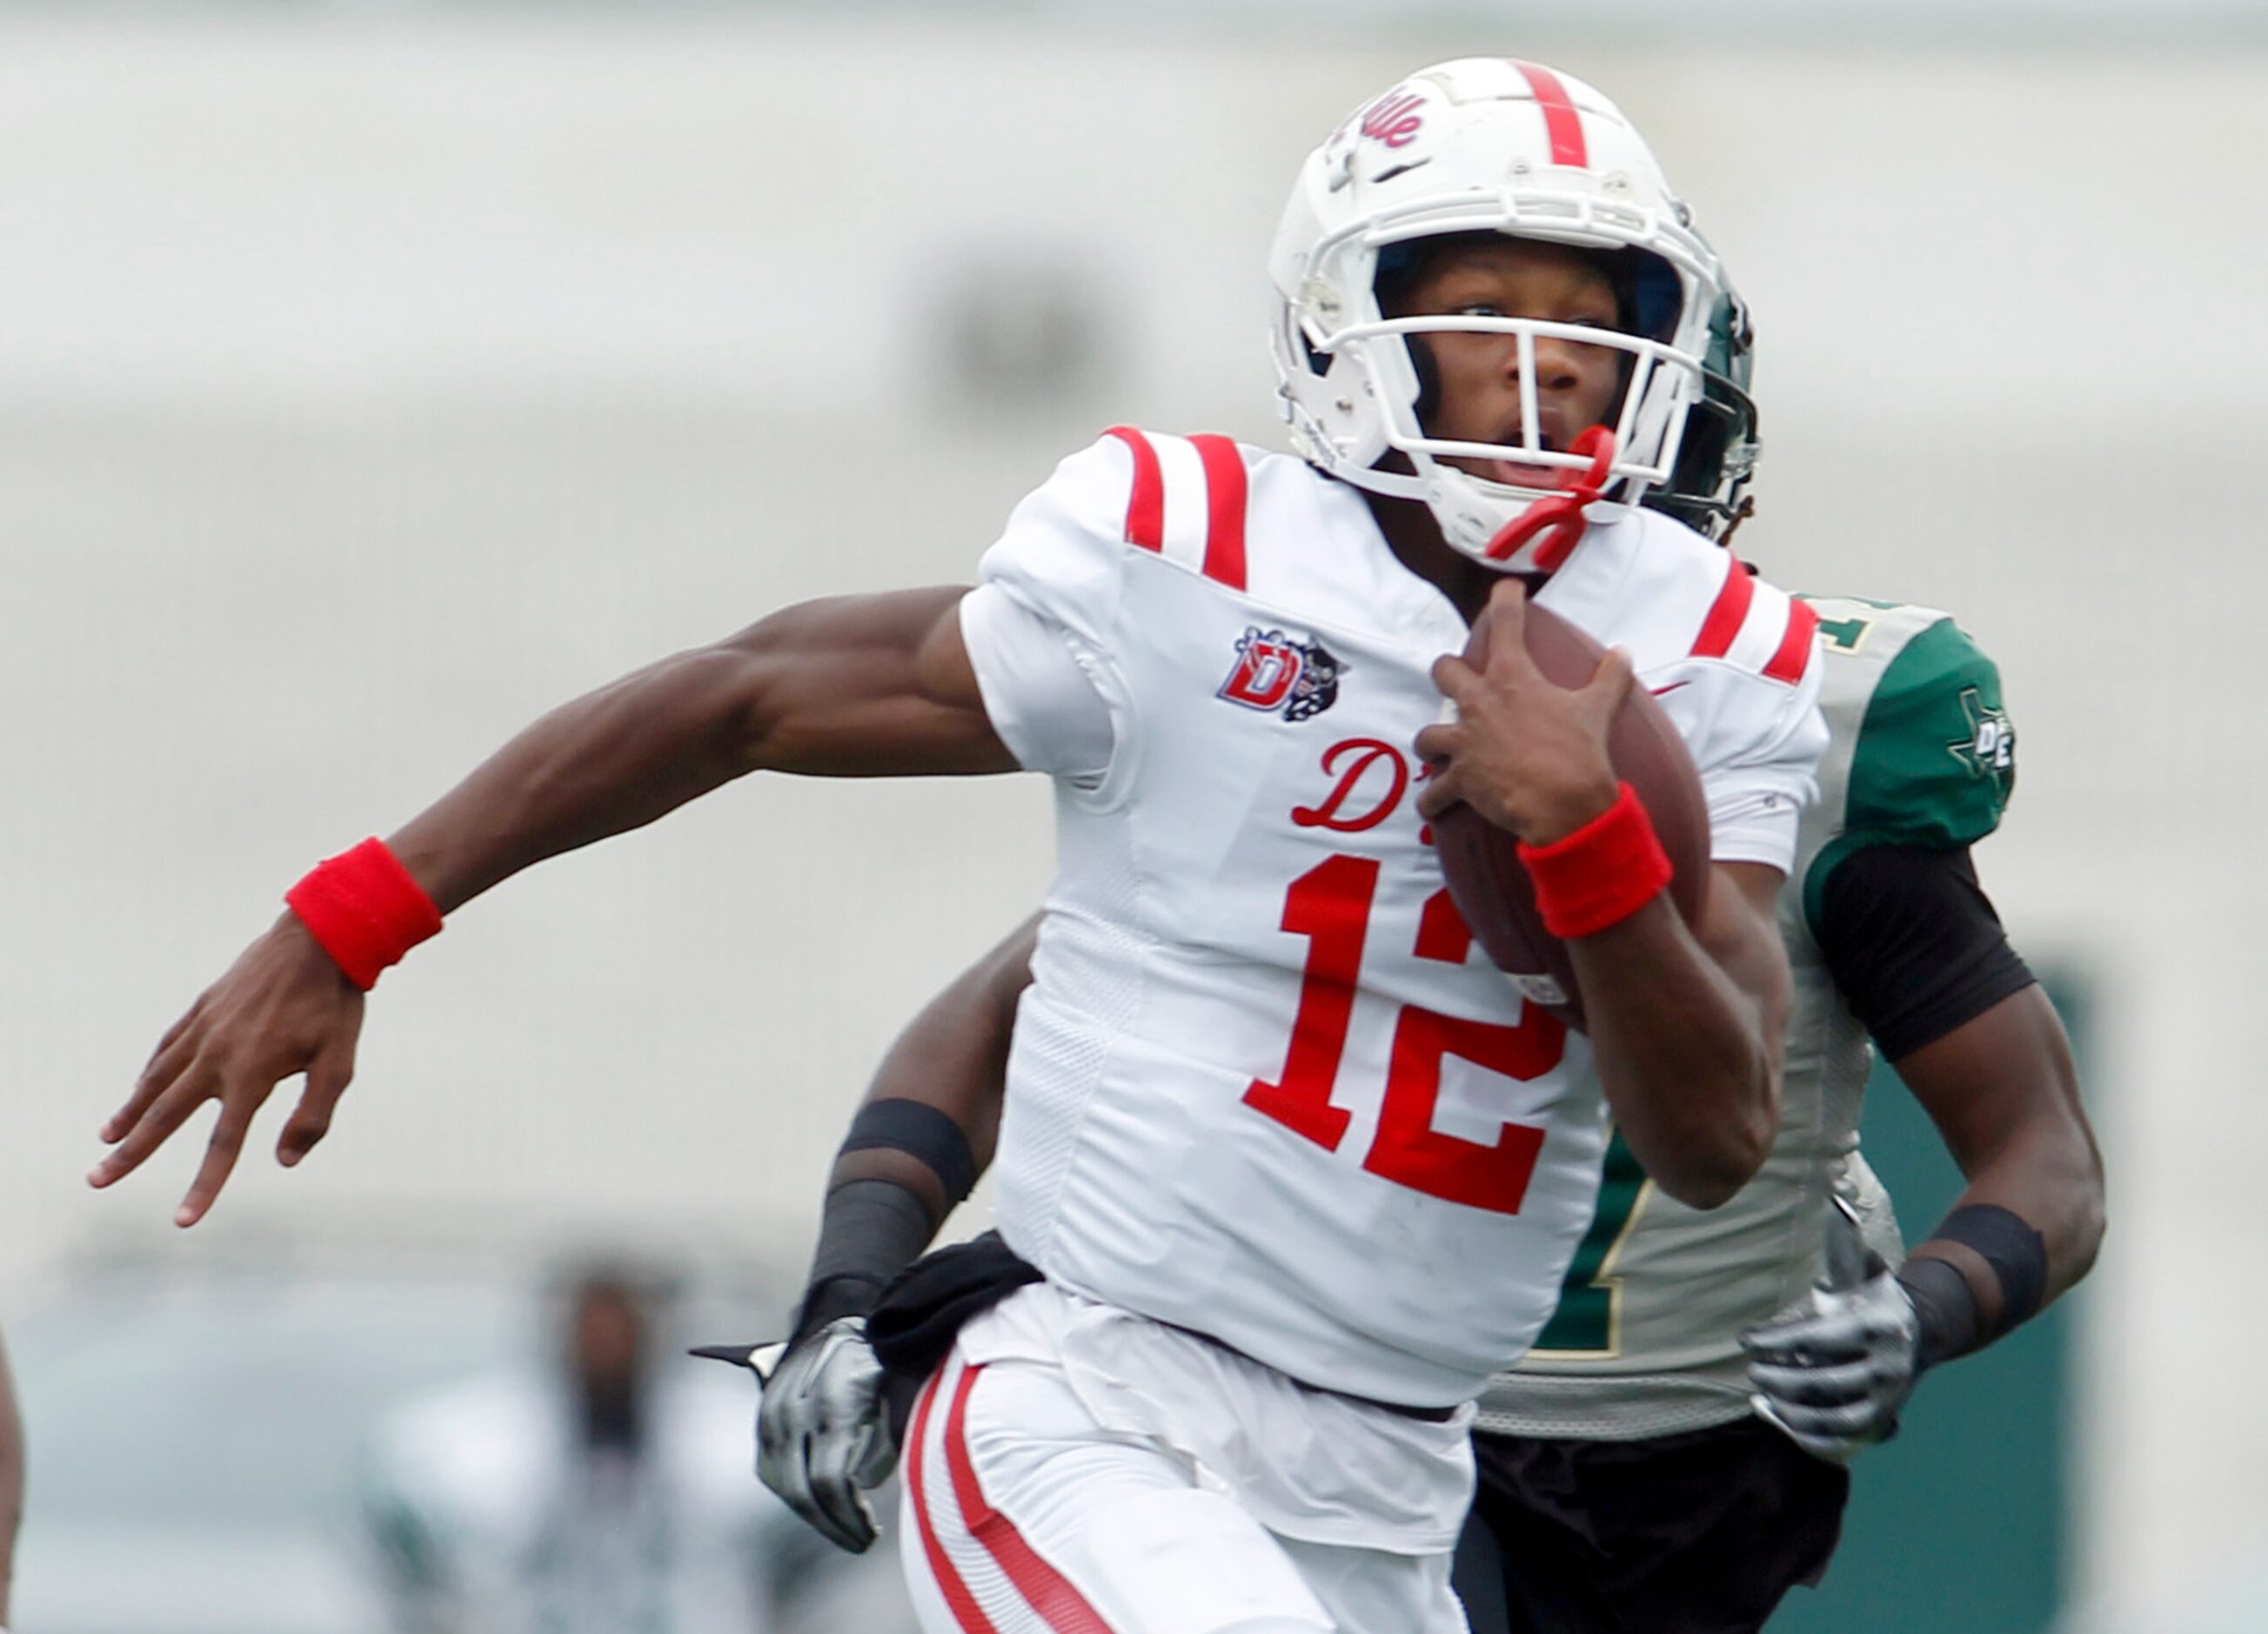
{"type": "Point", "coordinates": [1645, 1341]}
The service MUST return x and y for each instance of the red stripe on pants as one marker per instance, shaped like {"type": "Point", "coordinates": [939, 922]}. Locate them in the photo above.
{"type": "Point", "coordinates": [1061, 1606]}
{"type": "Point", "coordinates": [966, 1611]}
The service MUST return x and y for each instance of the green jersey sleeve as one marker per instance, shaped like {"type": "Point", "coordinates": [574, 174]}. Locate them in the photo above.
{"type": "Point", "coordinates": [1935, 761]}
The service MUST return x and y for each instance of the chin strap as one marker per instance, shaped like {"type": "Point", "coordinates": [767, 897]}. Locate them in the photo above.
{"type": "Point", "coordinates": [1560, 514]}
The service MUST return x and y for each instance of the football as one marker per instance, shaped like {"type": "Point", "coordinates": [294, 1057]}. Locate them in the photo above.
{"type": "Point", "coordinates": [1487, 879]}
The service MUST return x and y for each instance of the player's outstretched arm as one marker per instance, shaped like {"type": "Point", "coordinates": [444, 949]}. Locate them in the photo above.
{"type": "Point", "coordinates": [924, 1133]}
{"type": "Point", "coordinates": [855, 686]}
{"type": "Point", "coordinates": [1686, 1024]}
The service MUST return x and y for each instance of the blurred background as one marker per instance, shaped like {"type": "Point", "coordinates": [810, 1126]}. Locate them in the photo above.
{"type": "Point", "coordinates": [373, 375]}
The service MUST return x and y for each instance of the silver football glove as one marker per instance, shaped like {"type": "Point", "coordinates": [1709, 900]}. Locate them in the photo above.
{"type": "Point", "coordinates": [822, 1436]}
{"type": "Point", "coordinates": [1835, 1377]}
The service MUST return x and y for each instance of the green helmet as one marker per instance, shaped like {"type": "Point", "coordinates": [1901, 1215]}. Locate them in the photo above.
{"type": "Point", "coordinates": [1707, 489]}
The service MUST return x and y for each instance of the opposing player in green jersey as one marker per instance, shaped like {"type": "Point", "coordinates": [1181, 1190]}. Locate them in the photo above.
{"type": "Point", "coordinates": [1630, 1475]}
{"type": "Point", "coordinates": [1670, 1458]}
{"type": "Point", "coordinates": [1633, 1475]}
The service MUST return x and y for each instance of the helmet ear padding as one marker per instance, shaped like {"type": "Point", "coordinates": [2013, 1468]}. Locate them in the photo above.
{"type": "Point", "coordinates": [1707, 489]}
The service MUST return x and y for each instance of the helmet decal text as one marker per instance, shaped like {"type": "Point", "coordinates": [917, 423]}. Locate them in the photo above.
{"type": "Point", "coordinates": [1395, 119]}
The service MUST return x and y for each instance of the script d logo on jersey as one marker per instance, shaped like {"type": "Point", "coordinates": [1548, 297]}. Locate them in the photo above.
{"type": "Point", "coordinates": [1273, 671]}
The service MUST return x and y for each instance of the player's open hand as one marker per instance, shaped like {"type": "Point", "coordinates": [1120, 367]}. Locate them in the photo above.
{"type": "Point", "coordinates": [1527, 755]}
{"type": "Point", "coordinates": [281, 1009]}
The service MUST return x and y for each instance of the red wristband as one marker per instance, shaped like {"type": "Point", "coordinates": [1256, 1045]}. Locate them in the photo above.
{"type": "Point", "coordinates": [365, 909]}
{"type": "Point", "coordinates": [1601, 874]}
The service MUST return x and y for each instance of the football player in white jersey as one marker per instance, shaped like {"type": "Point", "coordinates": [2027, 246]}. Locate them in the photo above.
{"type": "Point", "coordinates": [1286, 1171]}
{"type": "Point", "coordinates": [1625, 1485]}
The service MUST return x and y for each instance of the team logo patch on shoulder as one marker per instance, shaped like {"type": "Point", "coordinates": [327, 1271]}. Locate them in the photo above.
{"type": "Point", "coordinates": [1990, 750]}
{"type": "Point", "coordinates": [1275, 673]}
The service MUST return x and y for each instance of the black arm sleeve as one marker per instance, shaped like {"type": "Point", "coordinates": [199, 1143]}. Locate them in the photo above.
{"type": "Point", "coordinates": [1914, 944]}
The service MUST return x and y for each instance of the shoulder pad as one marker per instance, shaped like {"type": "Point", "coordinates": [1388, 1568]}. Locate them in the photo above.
{"type": "Point", "coordinates": [1187, 501]}
{"type": "Point", "coordinates": [1756, 625]}
{"type": "Point", "coordinates": [1935, 760]}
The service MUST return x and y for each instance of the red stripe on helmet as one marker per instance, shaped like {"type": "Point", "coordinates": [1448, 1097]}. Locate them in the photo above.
{"type": "Point", "coordinates": [1225, 495]}
{"type": "Point", "coordinates": [1794, 655]}
{"type": "Point", "coordinates": [1145, 508]}
{"type": "Point", "coordinates": [966, 1611]}
{"type": "Point", "coordinates": [1560, 118]}
{"type": "Point", "coordinates": [1729, 612]}
{"type": "Point", "coordinates": [1049, 1593]}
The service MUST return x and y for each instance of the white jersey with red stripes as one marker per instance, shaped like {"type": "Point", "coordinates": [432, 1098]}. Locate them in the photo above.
{"type": "Point", "coordinates": [1263, 1085]}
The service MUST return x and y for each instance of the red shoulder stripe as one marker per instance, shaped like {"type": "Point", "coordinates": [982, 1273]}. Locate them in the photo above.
{"type": "Point", "coordinates": [1225, 494]}
{"type": "Point", "coordinates": [1560, 119]}
{"type": "Point", "coordinates": [1062, 1608]}
{"type": "Point", "coordinates": [1794, 655]}
{"type": "Point", "coordinates": [1729, 612]}
{"type": "Point", "coordinates": [966, 1611]}
{"type": "Point", "coordinates": [1145, 511]}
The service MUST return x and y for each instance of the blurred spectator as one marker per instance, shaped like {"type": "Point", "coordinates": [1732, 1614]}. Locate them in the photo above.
{"type": "Point", "coordinates": [607, 1491]}
{"type": "Point", "coordinates": [11, 1482]}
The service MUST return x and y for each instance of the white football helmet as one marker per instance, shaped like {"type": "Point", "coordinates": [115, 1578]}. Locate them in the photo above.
{"type": "Point", "coordinates": [1485, 144]}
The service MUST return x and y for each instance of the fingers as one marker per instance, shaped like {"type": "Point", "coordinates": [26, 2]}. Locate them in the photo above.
{"type": "Point", "coordinates": [1444, 789]}
{"type": "Point", "coordinates": [165, 1064]}
{"type": "Point", "coordinates": [781, 1465]}
{"type": "Point", "coordinates": [1458, 680]}
{"type": "Point", "coordinates": [1508, 612]}
{"type": "Point", "coordinates": [1839, 1385]}
{"type": "Point", "coordinates": [327, 1078]}
{"type": "Point", "coordinates": [873, 1466]}
{"type": "Point", "coordinates": [1858, 1422]}
{"type": "Point", "coordinates": [816, 1434]}
{"type": "Point", "coordinates": [220, 1160]}
{"type": "Point", "coordinates": [159, 1114]}
{"type": "Point", "coordinates": [1828, 1448]}
{"type": "Point", "coordinates": [1802, 1344]}
{"type": "Point", "coordinates": [1507, 631]}
{"type": "Point", "coordinates": [1611, 682]}
{"type": "Point", "coordinates": [801, 1468]}
{"type": "Point", "coordinates": [834, 1459]}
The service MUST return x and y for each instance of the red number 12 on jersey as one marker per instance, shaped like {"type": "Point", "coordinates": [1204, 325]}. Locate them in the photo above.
{"type": "Point", "coordinates": [1331, 906]}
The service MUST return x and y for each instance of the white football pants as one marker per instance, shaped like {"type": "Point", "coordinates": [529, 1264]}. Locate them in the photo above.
{"type": "Point", "coordinates": [1023, 1515]}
